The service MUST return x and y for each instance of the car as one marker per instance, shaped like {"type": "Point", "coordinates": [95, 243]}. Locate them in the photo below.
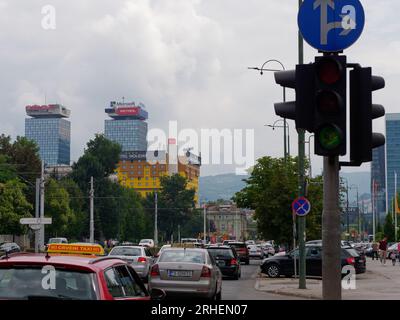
{"type": "Point", "coordinates": [192, 240]}
{"type": "Point", "coordinates": [9, 247]}
{"type": "Point", "coordinates": [147, 243]}
{"type": "Point", "coordinates": [187, 272]}
{"type": "Point", "coordinates": [165, 246]}
{"type": "Point", "coordinates": [242, 251]}
{"type": "Point", "coordinates": [392, 248]}
{"type": "Point", "coordinates": [70, 272]}
{"type": "Point", "coordinates": [57, 240]}
{"type": "Point", "coordinates": [140, 258]}
{"type": "Point", "coordinates": [255, 251]}
{"type": "Point", "coordinates": [268, 249]}
{"type": "Point", "coordinates": [227, 260]}
{"type": "Point", "coordinates": [277, 266]}
{"type": "Point", "coordinates": [227, 242]}
{"type": "Point", "coordinates": [249, 242]}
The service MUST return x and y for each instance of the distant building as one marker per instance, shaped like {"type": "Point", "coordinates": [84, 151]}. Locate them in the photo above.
{"type": "Point", "coordinates": [378, 177]}
{"type": "Point", "coordinates": [392, 155]}
{"type": "Point", "coordinates": [51, 131]}
{"type": "Point", "coordinates": [128, 125]}
{"type": "Point", "coordinates": [57, 171]}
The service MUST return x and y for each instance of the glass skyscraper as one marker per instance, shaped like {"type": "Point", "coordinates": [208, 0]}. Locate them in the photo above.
{"type": "Point", "coordinates": [127, 126]}
{"type": "Point", "coordinates": [378, 177]}
{"type": "Point", "coordinates": [392, 155]}
{"type": "Point", "coordinates": [51, 132]}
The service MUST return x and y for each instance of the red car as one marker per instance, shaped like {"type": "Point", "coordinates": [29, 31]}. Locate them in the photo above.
{"type": "Point", "coordinates": [60, 276]}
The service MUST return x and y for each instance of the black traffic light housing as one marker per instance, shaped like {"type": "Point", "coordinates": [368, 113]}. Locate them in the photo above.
{"type": "Point", "coordinates": [362, 112]}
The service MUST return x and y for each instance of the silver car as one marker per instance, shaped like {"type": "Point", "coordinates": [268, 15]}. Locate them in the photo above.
{"type": "Point", "coordinates": [138, 257]}
{"type": "Point", "coordinates": [188, 272]}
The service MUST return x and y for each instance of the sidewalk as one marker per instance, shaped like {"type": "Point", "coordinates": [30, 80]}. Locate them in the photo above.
{"type": "Point", "coordinates": [380, 282]}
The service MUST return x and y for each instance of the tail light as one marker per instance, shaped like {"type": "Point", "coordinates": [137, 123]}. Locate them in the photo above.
{"type": "Point", "coordinates": [141, 259]}
{"type": "Point", "coordinates": [233, 261]}
{"type": "Point", "coordinates": [205, 272]}
{"type": "Point", "coordinates": [155, 271]}
{"type": "Point", "coordinates": [351, 260]}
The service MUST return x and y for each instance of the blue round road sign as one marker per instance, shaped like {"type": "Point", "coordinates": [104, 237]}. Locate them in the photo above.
{"type": "Point", "coordinates": [301, 206]}
{"type": "Point", "coordinates": [331, 25]}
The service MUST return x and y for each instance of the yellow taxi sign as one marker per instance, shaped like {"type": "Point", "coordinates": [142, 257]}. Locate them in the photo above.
{"type": "Point", "coordinates": [92, 249]}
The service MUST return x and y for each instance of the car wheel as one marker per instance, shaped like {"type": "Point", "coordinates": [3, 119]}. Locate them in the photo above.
{"type": "Point", "coordinates": [273, 270]}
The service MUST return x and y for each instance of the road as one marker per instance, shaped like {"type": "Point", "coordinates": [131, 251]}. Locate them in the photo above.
{"type": "Point", "coordinates": [244, 288]}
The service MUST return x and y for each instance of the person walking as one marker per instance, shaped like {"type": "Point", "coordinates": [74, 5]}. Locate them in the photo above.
{"type": "Point", "coordinates": [393, 257]}
{"type": "Point", "coordinates": [398, 251]}
{"type": "Point", "coordinates": [383, 249]}
{"type": "Point", "coordinates": [375, 247]}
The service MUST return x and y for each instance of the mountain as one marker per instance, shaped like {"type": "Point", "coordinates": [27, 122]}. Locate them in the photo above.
{"type": "Point", "coordinates": [223, 186]}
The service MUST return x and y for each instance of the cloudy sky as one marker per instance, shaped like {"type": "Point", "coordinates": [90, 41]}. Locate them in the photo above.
{"type": "Point", "coordinates": [186, 60]}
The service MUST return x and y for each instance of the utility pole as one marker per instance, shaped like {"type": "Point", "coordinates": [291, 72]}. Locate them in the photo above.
{"type": "Point", "coordinates": [179, 233]}
{"type": "Point", "coordinates": [155, 219]}
{"type": "Point", "coordinates": [331, 266]}
{"type": "Point", "coordinates": [347, 210]}
{"type": "Point", "coordinates": [41, 235]}
{"type": "Point", "coordinates": [301, 220]}
{"type": "Point", "coordinates": [205, 223]}
{"type": "Point", "coordinates": [373, 210]}
{"type": "Point", "coordinates": [37, 206]}
{"type": "Point", "coordinates": [91, 211]}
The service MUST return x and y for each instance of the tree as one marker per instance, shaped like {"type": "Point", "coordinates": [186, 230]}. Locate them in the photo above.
{"type": "Point", "coordinates": [13, 207]}
{"type": "Point", "coordinates": [7, 170]}
{"type": "Point", "coordinates": [270, 191]}
{"type": "Point", "coordinates": [388, 228]}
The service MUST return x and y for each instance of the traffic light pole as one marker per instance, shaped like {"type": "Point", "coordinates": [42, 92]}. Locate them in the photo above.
{"type": "Point", "coordinates": [301, 220]}
{"type": "Point", "coordinates": [331, 265]}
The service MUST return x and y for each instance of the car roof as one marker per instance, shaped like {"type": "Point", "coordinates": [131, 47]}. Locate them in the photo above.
{"type": "Point", "coordinates": [220, 247]}
{"type": "Point", "coordinates": [129, 246]}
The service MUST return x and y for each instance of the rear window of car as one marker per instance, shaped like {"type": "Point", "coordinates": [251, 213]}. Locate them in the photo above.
{"type": "Point", "coordinates": [126, 252]}
{"type": "Point", "coordinates": [352, 252]}
{"type": "Point", "coordinates": [183, 256]}
{"type": "Point", "coordinates": [222, 253]}
{"type": "Point", "coordinates": [37, 282]}
{"type": "Point", "coordinates": [238, 245]}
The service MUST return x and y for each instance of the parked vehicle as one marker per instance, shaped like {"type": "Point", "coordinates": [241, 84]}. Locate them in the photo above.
{"type": "Point", "coordinates": [242, 251]}
{"type": "Point", "coordinates": [9, 247]}
{"type": "Point", "coordinates": [227, 260]}
{"type": "Point", "coordinates": [187, 272]}
{"type": "Point", "coordinates": [147, 243]}
{"type": "Point", "coordinates": [138, 257]}
{"type": "Point", "coordinates": [277, 266]}
{"type": "Point", "coordinates": [57, 240]}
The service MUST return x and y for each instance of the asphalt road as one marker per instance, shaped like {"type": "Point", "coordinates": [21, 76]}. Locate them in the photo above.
{"type": "Point", "coordinates": [244, 288]}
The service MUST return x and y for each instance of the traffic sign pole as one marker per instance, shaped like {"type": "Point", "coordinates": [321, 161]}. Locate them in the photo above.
{"type": "Point", "coordinates": [331, 265]}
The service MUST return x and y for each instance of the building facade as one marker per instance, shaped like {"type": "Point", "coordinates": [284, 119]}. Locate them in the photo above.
{"type": "Point", "coordinates": [51, 131]}
{"type": "Point", "coordinates": [128, 125]}
{"type": "Point", "coordinates": [378, 181]}
{"type": "Point", "coordinates": [392, 155]}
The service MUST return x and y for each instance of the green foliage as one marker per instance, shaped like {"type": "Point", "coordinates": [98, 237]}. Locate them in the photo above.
{"type": "Point", "coordinates": [270, 191]}
{"type": "Point", "coordinates": [7, 170]}
{"type": "Point", "coordinates": [13, 207]}
{"type": "Point", "coordinates": [388, 228]}
{"type": "Point", "coordinates": [379, 236]}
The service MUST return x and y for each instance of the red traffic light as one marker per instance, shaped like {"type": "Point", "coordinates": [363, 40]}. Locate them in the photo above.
{"type": "Point", "coordinates": [329, 70]}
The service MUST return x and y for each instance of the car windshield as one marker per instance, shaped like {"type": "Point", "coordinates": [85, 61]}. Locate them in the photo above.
{"type": "Point", "coordinates": [126, 252]}
{"type": "Point", "coordinates": [182, 256]}
{"type": "Point", "coordinates": [39, 283]}
{"type": "Point", "coordinates": [144, 241]}
{"type": "Point", "coordinates": [221, 253]}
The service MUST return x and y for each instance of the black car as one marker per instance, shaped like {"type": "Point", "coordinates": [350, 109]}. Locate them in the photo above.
{"type": "Point", "coordinates": [227, 260]}
{"type": "Point", "coordinates": [277, 266]}
{"type": "Point", "coordinates": [241, 250]}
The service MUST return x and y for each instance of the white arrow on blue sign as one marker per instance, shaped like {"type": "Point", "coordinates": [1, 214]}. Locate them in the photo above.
{"type": "Point", "coordinates": [331, 25]}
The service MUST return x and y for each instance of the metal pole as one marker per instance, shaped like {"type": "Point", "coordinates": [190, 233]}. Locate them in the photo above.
{"type": "Point", "coordinates": [91, 238]}
{"type": "Point", "coordinates": [301, 220]}
{"type": "Point", "coordinates": [179, 233]}
{"type": "Point", "coordinates": [285, 152]}
{"type": "Point", "coordinates": [155, 219]}
{"type": "Point", "coordinates": [331, 250]}
{"type": "Point", "coordinates": [205, 224]}
{"type": "Point", "coordinates": [347, 210]}
{"type": "Point", "coordinates": [395, 208]}
{"type": "Point", "coordinates": [373, 210]}
{"type": "Point", "coordinates": [41, 241]}
{"type": "Point", "coordinates": [359, 217]}
{"type": "Point", "coordinates": [37, 203]}
{"type": "Point", "coordinates": [294, 246]}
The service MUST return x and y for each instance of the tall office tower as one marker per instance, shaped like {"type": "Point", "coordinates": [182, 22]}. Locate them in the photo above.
{"type": "Point", "coordinates": [378, 180]}
{"type": "Point", "coordinates": [49, 128]}
{"type": "Point", "coordinates": [128, 125]}
{"type": "Point", "coordinates": [392, 155]}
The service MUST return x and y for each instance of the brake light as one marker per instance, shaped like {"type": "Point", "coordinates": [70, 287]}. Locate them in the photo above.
{"type": "Point", "coordinates": [233, 261]}
{"type": "Point", "coordinates": [351, 260]}
{"type": "Point", "coordinates": [205, 272]}
{"type": "Point", "coordinates": [141, 259]}
{"type": "Point", "coordinates": [155, 271]}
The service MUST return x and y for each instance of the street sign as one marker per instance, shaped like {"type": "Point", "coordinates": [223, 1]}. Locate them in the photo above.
{"type": "Point", "coordinates": [35, 221]}
{"type": "Point", "coordinates": [331, 25]}
{"type": "Point", "coordinates": [301, 206]}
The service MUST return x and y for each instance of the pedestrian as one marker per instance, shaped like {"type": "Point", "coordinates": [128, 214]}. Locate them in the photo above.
{"type": "Point", "coordinates": [375, 247]}
{"type": "Point", "coordinates": [383, 249]}
{"type": "Point", "coordinates": [393, 257]}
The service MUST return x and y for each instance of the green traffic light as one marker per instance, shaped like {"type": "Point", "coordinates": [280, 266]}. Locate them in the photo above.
{"type": "Point", "coordinates": [330, 137]}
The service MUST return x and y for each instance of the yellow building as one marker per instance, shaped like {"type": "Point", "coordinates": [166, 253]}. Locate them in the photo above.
{"type": "Point", "coordinates": [139, 171]}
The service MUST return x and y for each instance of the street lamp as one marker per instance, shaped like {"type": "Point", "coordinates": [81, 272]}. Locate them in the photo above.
{"type": "Point", "coordinates": [309, 152]}
{"type": "Point", "coordinates": [353, 186]}
{"type": "Point", "coordinates": [285, 125]}
{"type": "Point", "coordinates": [284, 92]}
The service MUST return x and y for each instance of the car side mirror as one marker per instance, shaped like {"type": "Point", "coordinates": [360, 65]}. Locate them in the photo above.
{"type": "Point", "coordinates": [157, 294]}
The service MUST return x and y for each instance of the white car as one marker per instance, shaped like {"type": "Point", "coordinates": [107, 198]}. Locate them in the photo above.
{"type": "Point", "coordinates": [255, 251]}
{"type": "Point", "coordinates": [147, 243]}
{"type": "Point", "coordinates": [249, 242]}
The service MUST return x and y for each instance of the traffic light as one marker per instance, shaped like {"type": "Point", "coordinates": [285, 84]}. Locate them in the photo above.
{"type": "Point", "coordinates": [362, 112]}
{"type": "Point", "coordinates": [330, 105]}
{"type": "Point", "coordinates": [301, 110]}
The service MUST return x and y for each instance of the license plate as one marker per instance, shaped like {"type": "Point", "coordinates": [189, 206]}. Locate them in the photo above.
{"type": "Point", "coordinates": [221, 263]}
{"type": "Point", "coordinates": [179, 273]}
